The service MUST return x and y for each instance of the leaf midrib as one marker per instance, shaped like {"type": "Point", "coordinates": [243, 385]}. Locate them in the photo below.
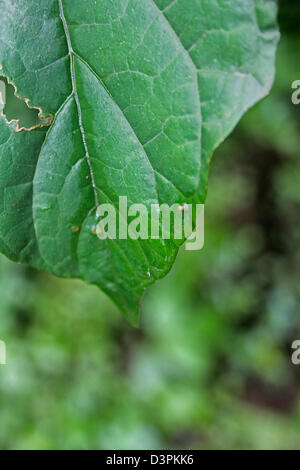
{"type": "Point", "coordinates": [75, 94]}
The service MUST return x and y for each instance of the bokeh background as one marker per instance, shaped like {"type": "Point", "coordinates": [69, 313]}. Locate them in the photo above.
{"type": "Point", "coordinates": [210, 367]}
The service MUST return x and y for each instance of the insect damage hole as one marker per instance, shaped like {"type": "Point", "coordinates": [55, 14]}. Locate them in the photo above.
{"type": "Point", "coordinates": [17, 110]}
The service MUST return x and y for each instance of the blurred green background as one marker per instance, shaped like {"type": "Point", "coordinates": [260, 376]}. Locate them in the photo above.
{"type": "Point", "coordinates": [210, 367]}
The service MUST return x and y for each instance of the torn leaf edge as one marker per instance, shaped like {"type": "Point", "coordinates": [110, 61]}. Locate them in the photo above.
{"type": "Point", "coordinates": [48, 118]}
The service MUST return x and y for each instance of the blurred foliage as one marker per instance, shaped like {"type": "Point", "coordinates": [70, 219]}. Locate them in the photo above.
{"type": "Point", "coordinates": [210, 366]}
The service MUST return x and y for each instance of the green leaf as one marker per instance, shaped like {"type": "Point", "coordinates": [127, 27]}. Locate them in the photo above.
{"type": "Point", "coordinates": [141, 93]}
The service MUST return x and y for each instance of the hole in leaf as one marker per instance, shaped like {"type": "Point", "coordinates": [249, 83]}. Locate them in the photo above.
{"type": "Point", "coordinates": [16, 109]}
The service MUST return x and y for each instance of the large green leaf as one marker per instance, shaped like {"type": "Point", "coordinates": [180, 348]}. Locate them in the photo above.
{"type": "Point", "coordinates": [141, 93]}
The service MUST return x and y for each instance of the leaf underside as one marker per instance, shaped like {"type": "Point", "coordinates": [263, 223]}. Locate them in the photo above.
{"type": "Point", "coordinates": [141, 93]}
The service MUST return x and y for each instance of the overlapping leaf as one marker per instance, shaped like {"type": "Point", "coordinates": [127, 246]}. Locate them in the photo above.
{"type": "Point", "coordinates": [141, 93]}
